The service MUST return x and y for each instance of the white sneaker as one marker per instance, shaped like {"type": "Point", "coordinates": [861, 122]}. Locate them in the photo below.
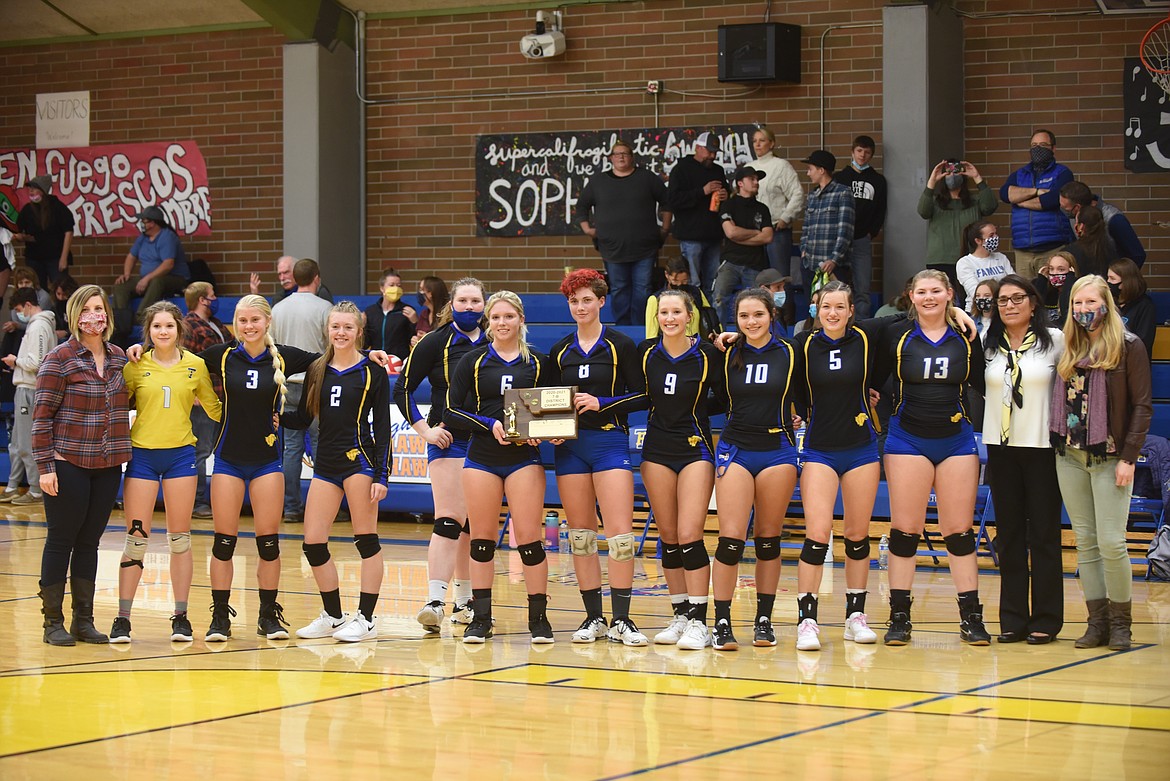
{"type": "Point", "coordinates": [590, 630]}
{"type": "Point", "coordinates": [806, 636]}
{"type": "Point", "coordinates": [674, 630]}
{"type": "Point", "coordinates": [623, 631]}
{"type": "Point", "coordinates": [696, 637]}
{"type": "Point", "coordinates": [323, 625]}
{"type": "Point", "coordinates": [857, 629]}
{"type": "Point", "coordinates": [462, 614]}
{"type": "Point", "coordinates": [430, 616]}
{"type": "Point", "coordinates": [356, 630]}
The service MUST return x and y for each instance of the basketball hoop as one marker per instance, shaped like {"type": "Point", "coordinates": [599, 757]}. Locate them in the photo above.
{"type": "Point", "coordinates": [1155, 54]}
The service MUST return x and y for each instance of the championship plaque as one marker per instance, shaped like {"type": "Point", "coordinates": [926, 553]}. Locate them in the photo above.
{"type": "Point", "coordinates": [540, 413]}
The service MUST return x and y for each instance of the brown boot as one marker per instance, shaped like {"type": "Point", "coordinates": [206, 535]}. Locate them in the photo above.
{"type": "Point", "coordinates": [1097, 633]}
{"type": "Point", "coordinates": [1120, 620]}
{"type": "Point", "coordinates": [51, 599]}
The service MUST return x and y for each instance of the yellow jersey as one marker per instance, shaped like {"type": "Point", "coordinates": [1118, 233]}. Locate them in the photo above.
{"type": "Point", "coordinates": [163, 397]}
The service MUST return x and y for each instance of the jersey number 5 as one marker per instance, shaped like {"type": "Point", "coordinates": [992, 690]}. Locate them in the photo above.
{"type": "Point", "coordinates": [834, 360]}
{"type": "Point", "coordinates": [940, 368]}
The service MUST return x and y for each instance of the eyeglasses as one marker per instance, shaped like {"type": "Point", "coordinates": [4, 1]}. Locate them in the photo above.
{"type": "Point", "coordinates": [1017, 299]}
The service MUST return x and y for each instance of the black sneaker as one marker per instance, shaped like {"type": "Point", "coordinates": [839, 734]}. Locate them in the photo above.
{"type": "Point", "coordinates": [181, 628]}
{"type": "Point", "coordinates": [121, 631]}
{"type": "Point", "coordinates": [765, 634]}
{"type": "Point", "coordinates": [899, 631]}
{"type": "Point", "coordinates": [479, 630]}
{"type": "Point", "coordinates": [271, 623]}
{"type": "Point", "coordinates": [972, 631]}
{"type": "Point", "coordinates": [541, 630]}
{"type": "Point", "coordinates": [722, 638]}
{"type": "Point", "coordinates": [220, 628]}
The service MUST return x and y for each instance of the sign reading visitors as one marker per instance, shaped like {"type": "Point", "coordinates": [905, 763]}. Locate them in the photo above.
{"type": "Point", "coordinates": [62, 119]}
{"type": "Point", "coordinates": [528, 184]}
{"type": "Point", "coordinates": [105, 186]}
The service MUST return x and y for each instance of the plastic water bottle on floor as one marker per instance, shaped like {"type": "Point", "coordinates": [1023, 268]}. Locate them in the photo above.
{"type": "Point", "coordinates": [550, 530]}
{"type": "Point", "coordinates": [884, 552]}
{"type": "Point", "coordinates": [563, 538]}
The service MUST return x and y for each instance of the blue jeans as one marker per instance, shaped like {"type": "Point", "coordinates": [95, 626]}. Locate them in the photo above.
{"type": "Point", "coordinates": [294, 451]}
{"type": "Point", "coordinates": [703, 258]}
{"type": "Point", "coordinates": [629, 287]}
{"type": "Point", "coordinates": [730, 280]}
{"type": "Point", "coordinates": [206, 431]}
{"type": "Point", "coordinates": [780, 254]}
{"type": "Point", "coordinates": [861, 262]}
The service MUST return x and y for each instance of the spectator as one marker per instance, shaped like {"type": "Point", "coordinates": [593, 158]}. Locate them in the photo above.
{"type": "Point", "coordinates": [619, 210]}
{"type": "Point", "coordinates": [63, 287]}
{"type": "Point", "coordinates": [899, 303]}
{"type": "Point", "coordinates": [1033, 191]}
{"type": "Point", "coordinates": [782, 194]}
{"type": "Point", "coordinates": [1093, 249]}
{"type": "Point", "coordinates": [1055, 280]}
{"type": "Point", "coordinates": [26, 277]}
{"type": "Point", "coordinates": [389, 321]}
{"type": "Point", "coordinates": [288, 285]}
{"type": "Point", "coordinates": [828, 222]}
{"type": "Point", "coordinates": [703, 320]}
{"type": "Point", "coordinates": [201, 331]}
{"type": "Point", "coordinates": [38, 340]}
{"type": "Point", "coordinates": [869, 200]}
{"type": "Point", "coordinates": [1075, 195]}
{"type": "Point", "coordinates": [45, 225]}
{"type": "Point", "coordinates": [947, 204]}
{"type": "Point", "coordinates": [747, 231]}
{"type": "Point", "coordinates": [1133, 302]}
{"type": "Point", "coordinates": [299, 320]}
{"type": "Point", "coordinates": [694, 181]}
{"type": "Point", "coordinates": [432, 297]}
{"type": "Point", "coordinates": [162, 267]}
{"type": "Point", "coordinates": [810, 323]}
{"type": "Point", "coordinates": [985, 261]}
{"type": "Point", "coordinates": [983, 304]}
{"type": "Point", "coordinates": [777, 284]}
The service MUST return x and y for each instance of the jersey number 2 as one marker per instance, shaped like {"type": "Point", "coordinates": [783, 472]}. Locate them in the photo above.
{"type": "Point", "coordinates": [335, 396]}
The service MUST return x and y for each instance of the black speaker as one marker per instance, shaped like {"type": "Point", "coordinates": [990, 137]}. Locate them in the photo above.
{"type": "Point", "coordinates": [759, 52]}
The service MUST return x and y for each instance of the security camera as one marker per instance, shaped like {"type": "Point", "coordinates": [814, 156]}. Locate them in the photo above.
{"type": "Point", "coordinates": [542, 43]}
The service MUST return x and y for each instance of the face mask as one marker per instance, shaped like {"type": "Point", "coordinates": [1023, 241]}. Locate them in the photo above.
{"type": "Point", "coordinates": [860, 166]}
{"type": "Point", "coordinates": [983, 304]}
{"type": "Point", "coordinates": [21, 317]}
{"type": "Point", "coordinates": [466, 321]}
{"type": "Point", "coordinates": [1042, 157]}
{"type": "Point", "coordinates": [1115, 289]}
{"type": "Point", "coordinates": [35, 197]}
{"type": "Point", "coordinates": [1069, 213]}
{"type": "Point", "coordinates": [812, 311]}
{"type": "Point", "coordinates": [1057, 280]}
{"type": "Point", "coordinates": [213, 306]}
{"type": "Point", "coordinates": [991, 243]}
{"type": "Point", "coordinates": [1089, 319]}
{"type": "Point", "coordinates": [955, 181]}
{"type": "Point", "coordinates": [392, 294]}
{"type": "Point", "coordinates": [92, 323]}
{"type": "Point", "coordinates": [779, 297]}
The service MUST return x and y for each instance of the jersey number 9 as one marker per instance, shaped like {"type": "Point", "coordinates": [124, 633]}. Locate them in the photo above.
{"type": "Point", "coordinates": [670, 383]}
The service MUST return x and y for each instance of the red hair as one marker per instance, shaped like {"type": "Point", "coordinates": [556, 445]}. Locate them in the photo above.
{"type": "Point", "coordinates": [585, 277]}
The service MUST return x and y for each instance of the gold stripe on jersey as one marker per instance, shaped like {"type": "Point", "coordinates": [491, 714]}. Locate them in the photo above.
{"type": "Point", "coordinates": [613, 377]}
{"type": "Point", "coordinates": [359, 421]}
{"type": "Point", "coordinates": [695, 406]}
{"type": "Point", "coordinates": [898, 370]}
{"type": "Point", "coordinates": [869, 411]}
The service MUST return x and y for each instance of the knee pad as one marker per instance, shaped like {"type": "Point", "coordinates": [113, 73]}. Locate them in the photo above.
{"type": "Point", "coordinates": [903, 545]}
{"type": "Point", "coordinates": [729, 551]}
{"type": "Point", "coordinates": [136, 541]}
{"type": "Point", "coordinates": [483, 550]}
{"type": "Point", "coordinates": [531, 553]}
{"type": "Point", "coordinates": [858, 550]}
{"type": "Point", "coordinates": [316, 553]}
{"type": "Point", "coordinates": [583, 542]}
{"type": "Point", "coordinates": [448, 528]}
{"type": "Point", "coordinates": [367, 545]}
{"type": "Point", "coordinates": [767, 548]}
{"type": "Point", "coordinates": [179, 542]}
{"type": "Point", "coordinates": [961, 544]}
{"type": "Point", "coordinates": [694, 555]}
{"type": "Point", "coordinates": [671, 557]}
{"type": "Point", "coordinates": [813, 552]}
{"type": "Point", "coordinates": [621, 547]}
{"type": "Point", "coordinates": [268, 547]}
{"type": "Point", "coordinates": [223, 546]}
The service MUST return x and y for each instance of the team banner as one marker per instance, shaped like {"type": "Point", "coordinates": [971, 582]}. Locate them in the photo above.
{"type": "Point", "coordinates": [105, 186]}
{"type": "Point", "coordinates": [528, 184]}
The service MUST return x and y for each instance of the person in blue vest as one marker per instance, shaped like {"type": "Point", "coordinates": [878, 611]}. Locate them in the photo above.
{"type": "Point", "coordinates": [1033, 191]}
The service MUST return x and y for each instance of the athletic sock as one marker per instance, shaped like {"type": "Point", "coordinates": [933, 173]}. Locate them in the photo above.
{"type": "Point", "coordinates": [180, 608]}
{"type": "Point", "coordinates": [331, 601]}
{"type": "Point", "coordinates": [900, 600]}
{"type": "Point", "coordinates": [220, 596]}
{"type": "Point", "coordinates": [854, 601]}
{"type": "Point", "coordinates": [537, 605]}
{"type": "Point", "coordinates": [436, 591]}
{"type": "Point", "coordinates": [968, 602]}
{"type": "Point", "coordinates": [268, 596]}
{"type": "Point", "coordinates": [723, 610]}
{"type": "Point", "coordinates": [366, 604]}
{"type": "Point", "coordinates": [764, 605]}
{"type": "Point", "coordinates": [698, 611]}
{"type": "Point", "coordinates": [807, 606]}
{"type": "Point", "coordinates": [482, 602]}
{"type": "Point", "coordinates": [620, 599]}
{"type": "Point", "coordinates": [462, 591]}
{"type": "Point", "coordinates": [124, 606]}
{"type": "Point", "coordinates": [680, 604]}
{"type": "Point", "coordinates": [592, 600]}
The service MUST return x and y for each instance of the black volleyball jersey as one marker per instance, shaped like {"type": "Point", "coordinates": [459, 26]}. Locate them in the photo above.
{"type": "Point", "coordinates": [348, 429]}
{"type": "Point", "coordinates": [929, 400]}
{"type": "Point", "coordinates": [250, 397]}
{"type": "Point", "coordinates": [677, 390]}
{"type": "Point", "coordinates": [433, 358]}
{"type": "Point", "coordinates": [837, 375]}
{"type": "Point", "coordinates": [759, 415]}
{"type": "Point", "coordinates": [475, 400]}
{"type": "Point", "coordinates": [609, 371]}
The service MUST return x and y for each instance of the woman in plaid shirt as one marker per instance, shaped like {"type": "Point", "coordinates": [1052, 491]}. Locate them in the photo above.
{"type": "Point", "coordinates": [80, 438]}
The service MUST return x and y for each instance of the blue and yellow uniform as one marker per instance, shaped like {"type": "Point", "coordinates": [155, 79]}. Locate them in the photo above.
{"type": "Point", "coordinates": [678, 431]}
{"type": "Point", "coordinates": [162, 439]}
{"type": "Point", "coordinates": [760, 392]}
{"type": "Point", "coordinates": [609, 371]}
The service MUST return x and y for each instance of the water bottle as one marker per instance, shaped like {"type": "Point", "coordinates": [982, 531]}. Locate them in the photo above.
{"type": "Point", "coordinates": [563, 538]}
{"type": "Point", "coordinates": [550, 530]}
{"type": "Point", "coordinates": [884, 552]}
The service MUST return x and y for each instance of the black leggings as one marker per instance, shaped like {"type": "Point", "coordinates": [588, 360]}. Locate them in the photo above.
{"type": "Point", "coordinates": [77, 516]}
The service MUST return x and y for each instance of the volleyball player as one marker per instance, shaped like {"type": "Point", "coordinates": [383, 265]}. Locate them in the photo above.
{"type": "Point", "coordinates": [457, 332]}
{"type": "Point", "coordinates": [350, 397]}
{"type": "Point", "coordinates": [593, 470]}
{"type": "Point", "coordinates": [755, 462]}
{"type": "Point", "coordinates": [931, 444]}
{"type": "Point", "coordinates": [163, 387]}
{"type": "Point", "coordinates": [678, 461]}
{"type": "Point", "coordinates": [495, 465]}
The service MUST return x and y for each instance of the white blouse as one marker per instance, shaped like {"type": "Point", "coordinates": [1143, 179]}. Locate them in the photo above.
{"type": "Point", "coordinates": [1030, 423]}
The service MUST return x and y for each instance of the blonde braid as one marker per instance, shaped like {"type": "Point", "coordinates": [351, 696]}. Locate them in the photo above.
{"type": "Point", "coordinates": [277, 372]}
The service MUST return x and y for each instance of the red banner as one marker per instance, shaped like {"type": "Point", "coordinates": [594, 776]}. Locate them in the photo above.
{"type": "Point", "coordinates": [105, 186]}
